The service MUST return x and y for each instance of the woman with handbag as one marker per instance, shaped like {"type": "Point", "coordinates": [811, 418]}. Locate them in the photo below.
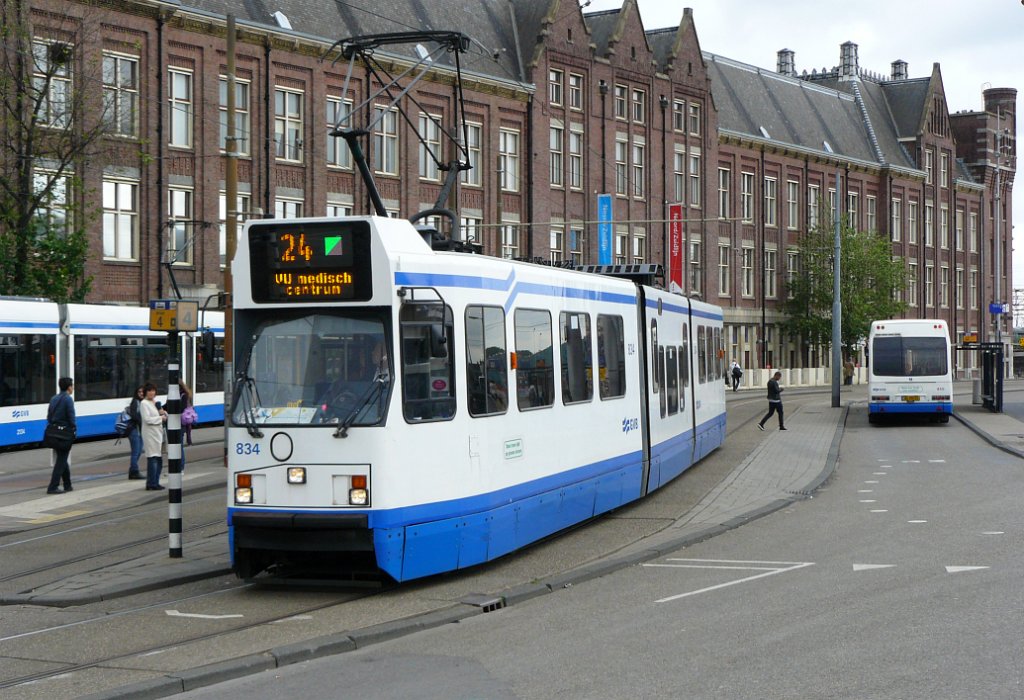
{"type": "Point", "coordinates": [60, 434]}
{"type": "Point", "coordinates": [153, 420]}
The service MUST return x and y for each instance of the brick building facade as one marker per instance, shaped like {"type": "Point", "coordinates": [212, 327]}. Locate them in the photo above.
{"type": "Point", "coordinates": [562, 106]}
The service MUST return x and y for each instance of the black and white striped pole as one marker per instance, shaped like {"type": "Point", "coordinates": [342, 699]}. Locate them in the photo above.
{"type": "Point", "coordinates": [173, 450]}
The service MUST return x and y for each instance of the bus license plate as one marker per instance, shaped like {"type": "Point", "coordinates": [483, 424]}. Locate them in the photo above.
{"type": "Point", "coordinates": [911, 398]}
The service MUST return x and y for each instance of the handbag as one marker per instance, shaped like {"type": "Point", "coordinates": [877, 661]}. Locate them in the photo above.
{"type": "Point", "coordinates": [59, 436]}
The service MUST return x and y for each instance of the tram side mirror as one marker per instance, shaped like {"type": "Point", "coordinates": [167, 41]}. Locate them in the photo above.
{"type": "Point", "coordinates": [438, 341]}
{"type": "Point", "coordinates": [208, 348]}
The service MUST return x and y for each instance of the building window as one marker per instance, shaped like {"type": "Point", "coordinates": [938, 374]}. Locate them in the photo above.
{"type": "Point", "coordinates": [339, 113]}
{"type": "Point", "coordinates": [575, 91]}
{"type": "Point", "coordinates": [897, 219]}
{"type": "Point", "coordinates": [179, 87]}
{"type": "Point", "coordinates": [621, 92]}
{"type": "Point", "coordinates": [639, 106]}
{"type": "Point", "coordinates": [944, 226]}
{"type": "Point", "coordinates": [471, 228]}
{"type": "Point", "coordinates": [52, 214]}
{"type": "Point", "coordinates": [813, 205]}
{"type": "Point", "coordinates": [638, 169]}
{"type": "Point", "coordinates": [621, 244]}
{"type": "Point", "coordinates": [723, 270]}
{"type": "Point", "coordinates": [792, 204]}
{"type": "Point", "coordinates": [556, 156]}
{"type": "Point", "coordinates": [639, 246]}
{"type": "Point", "coordinates": [508, 159]}
{"type": "Point", "coordinates": [871, 220]}
{"type": "Point", "coordinates": [576, 243]}
{"type": "Point", "coordinates": [912, 285]}
{"type": "Point", "coordinates": [747, 198]}
{"type": "Point", "coordinates": [770, 257]}
{"type": "Point", "coordinates": [928, 165]}
{"type": "Point", "coordinates": [555, 87]}
{"type": "Point", "coordinates": [430, 146]}
{"type": "Point", "coordinates": [557, 243]}
{"type": "Point", "coordinates": [285, 208]}
{"type": "Point", "coordinates": [929, 225]}
{"type": "Point", "coordinates": [385, 141]}
{"type": "Point", "coordinates": [912, 222]}
{"type": "Point", "coordinates": [121, 94]}
{"type": "Point", "coordinates": [694, 118]}
{"type": "Point", "coordinates": [576, 156]}
{"type": "Point", "coordinates": [509, 241]}
{"type": "Point", "coordinates": [944, 170]}
{"type": "Point", "coordinates": [974, 289]}
{"type": "Point", "coordinates": [748, 272]}
{"type": "Point", "coordinates": [679, 115]}
{"type": "Point", "coordinates": [974, 231]}
{"type": "Point", "coordinates": [792, 270]}
{"type": "Point", "coordinates": [241, 116]}
{"type": "Point", "coordinates": [694, 176]}
{"type": "Point", "coordinates": [853, 209]}
{"type": "Point", "coordinates": [241, 214]}
{"type": "Point", "coordinates": [929, 285]}
{"type": "Point", "coordinates": [959, 288]}
{"type": "Point", "coordinates": [696, 279]}
{"type": "Point", "coordinates": [621, 164]}
{"type": "Point", "coordinates": [959, 231]}
{"type": "Point", "coordinates": [335, 210]}
{"type": "Point", "coordinates": [473, 136]}
{"type": "Point", "coordinates": [724, 176]}
{"type": "Point", "coordinates": [120, 219]}
{"type": "Point", "coordinates": [944, 286]}
{"type": "Point", "coordinates": [679, 173]}
{"type": "Point", "coordinates": [180, 226]}
{"type": "Point", "coordinates": [771, 186]}
{"type": "Point", "coordinates": [288, 125]}
{"type": "Point", "coordinates": [51, 81]}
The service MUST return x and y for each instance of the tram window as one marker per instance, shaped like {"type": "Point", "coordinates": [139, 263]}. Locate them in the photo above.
{"type": "Point", "coordinates": [719, 353]}
{"type": "Point", "coordinates": [576, 355]}
{"type": "Point", "coordinates": [662, 397]}
{"type": "Point", "coordinates": [611, 357]}
{"type": "Point", "coordinates": [535, 372]}
{"type": "Point", "coordinates": [209, 372]}
{"type": "Point", "coordinates": [486, 363]}
{"type": "Point", "coordinates": [702, 355]}
{"type": "Point", "coordinates": [684, 357]}
{"type": "Point", "coordinates": [27, 369]}
{"type": "Point", "coordinates": [655, 374]}
{"type": "Point", "coordinates": [428, 381]}
{"type": "Point", "coordinates": [684, 371]}
{"type": "Point", "coordinates": [111, 367]}
{"type": "Point", "coordinates": [671, 380]}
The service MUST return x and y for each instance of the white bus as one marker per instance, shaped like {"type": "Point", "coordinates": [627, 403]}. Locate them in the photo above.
{"type": "Point", "coordinates": [910, 370]}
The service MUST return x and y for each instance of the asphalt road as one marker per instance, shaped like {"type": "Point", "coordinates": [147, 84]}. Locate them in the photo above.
{"type": "Point", "coordinates": [901, 578]}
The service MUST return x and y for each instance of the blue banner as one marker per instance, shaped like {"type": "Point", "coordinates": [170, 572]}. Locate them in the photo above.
{"type": "Point", "coordinates": [604, 229]}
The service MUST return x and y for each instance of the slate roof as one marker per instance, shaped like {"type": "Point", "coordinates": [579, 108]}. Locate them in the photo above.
{"type": "Point", "coordinates": [602, 25]}
{"type": "Point", "coordinates": [488, 22]}
{"type": "Point", "coordinates": [906, 101]}
{"type": "Point", "coordinates": [662, 42]}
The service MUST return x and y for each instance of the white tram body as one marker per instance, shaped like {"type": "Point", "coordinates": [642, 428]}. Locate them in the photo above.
{"type": "Point", "coordinates": [107, 350]}
{"type": "Point", "coordinates": [414, 411]}
{"type": "Point", "coordinates": [910, 368]}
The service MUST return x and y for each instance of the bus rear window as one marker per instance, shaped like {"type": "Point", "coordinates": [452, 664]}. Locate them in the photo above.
{"type": "Point", "coordinates": [900, 356]}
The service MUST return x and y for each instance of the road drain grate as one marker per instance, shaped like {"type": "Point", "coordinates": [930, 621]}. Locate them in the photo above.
{"type": "Point", "coordinates": [487, 603]}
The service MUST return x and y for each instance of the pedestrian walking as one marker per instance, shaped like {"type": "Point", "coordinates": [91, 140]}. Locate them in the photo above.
{"type": "Point", "coordinates": [188, 419]}
{"type": "Point", "coordinates": [774, 401]}
{"type": "Point", "coordinates": [736, 372]}
{"type": "Point", "coordinates": [61, 428]}
{"type": "Point", "coordinates": [135, 432]}
{"type": "Point", "coordinates": [153, 419]}
{"type": "Point", "coordinates": [848, 372]}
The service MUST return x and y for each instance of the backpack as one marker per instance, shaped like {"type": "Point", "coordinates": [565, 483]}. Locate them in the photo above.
{"type": "Point", "coordinates": [737, 372]}
{"type": "Point", "coordinates": [124, 424]}
{"type": "Point", "coordinates": [189, 417]}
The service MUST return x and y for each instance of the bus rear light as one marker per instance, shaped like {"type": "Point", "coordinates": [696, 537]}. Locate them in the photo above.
{"type": "Point", "coordinates": [358, 497]}
{"type": "Point", "coordinates": [243, 481]}
{"type": "Point", "coordinates": [879, 398]}
{"type": "Point", "coordinates": [941, 397]}
{"type": "Point", "coordinates": [243, 495]}
{"type": "Point", "coordinates": [296, 475]}
{"type": "Point", "coordinates": [359, 482]}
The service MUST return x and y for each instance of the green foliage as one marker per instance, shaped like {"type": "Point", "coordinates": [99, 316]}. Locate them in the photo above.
{"type": "Point", "coordinates": [871, 285]}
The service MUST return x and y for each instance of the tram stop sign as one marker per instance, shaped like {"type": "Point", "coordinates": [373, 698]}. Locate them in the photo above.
{"type": "Point", "coordinates": [173, 315]}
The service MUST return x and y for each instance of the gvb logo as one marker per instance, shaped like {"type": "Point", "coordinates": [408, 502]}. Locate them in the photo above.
{"type": "Point", "coordinates": [629, 424]}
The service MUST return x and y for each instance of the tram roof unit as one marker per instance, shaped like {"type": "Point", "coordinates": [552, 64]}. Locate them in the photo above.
{"type": "Point", "coordinates": [23, 315]}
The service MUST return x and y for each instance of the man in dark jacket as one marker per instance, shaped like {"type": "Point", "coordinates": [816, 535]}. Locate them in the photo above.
{"type": "Point", "coordinates": [62, 411]}
{"type": "Point", "coordinates": [774, 401]}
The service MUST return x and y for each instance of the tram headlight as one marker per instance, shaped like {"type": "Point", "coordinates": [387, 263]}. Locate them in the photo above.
{"type": "Point", "coordinates": [243, 495]}
{"type": "Point", "coordinates": [296, 475]}
{"type": "Point", "coordinates": [358, 495]}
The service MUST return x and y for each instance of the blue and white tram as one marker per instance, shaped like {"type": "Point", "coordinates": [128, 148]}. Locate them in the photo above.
{"type": "Point", "coordinates": [412, 411]}
{"type": "Point", "coordinates": [910, 369]}
{"type": "Point", "coordinates": [108, 350]}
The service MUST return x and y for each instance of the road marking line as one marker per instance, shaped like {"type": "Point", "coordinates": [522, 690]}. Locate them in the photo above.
{"type": "Point", "coordinates": [871, 481]}
{"type": "Point", "coordinates": [869, 567]}
{"type": "Point", "coordinates": [917, 521]}
{"type": "Point", "coordinates": [793, 567]}
{"type": "Point", "coordinates": [175, 613]}
{"type": "Point", "coordinates": [865, 491]}
{"type": "Point", "coordinates": [710, 566]}
{"type": "Point", "coordinates": [867, 500]}
{"type": "Point", "coordinates": [958, 569]}
{"type": "Point", "coordinates": [879, 510]}
{"type": "Point", "coordinates": [734, 561]}
{"type": "Point", "coordinates": [994, 532]}
{"type": "Point", "coordinates": [879, 473]}
{"type": "Point", "coordinates": [911, 461]}
{"type": "Point", "coordinates": [936, 461]}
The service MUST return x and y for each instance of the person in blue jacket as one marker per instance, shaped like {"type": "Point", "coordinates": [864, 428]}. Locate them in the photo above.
{"type": "Point", "coordinates": [62, 410]}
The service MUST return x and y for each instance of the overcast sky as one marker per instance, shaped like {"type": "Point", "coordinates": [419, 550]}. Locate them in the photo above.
{"type": "Point", "coordinates": [978, 44]}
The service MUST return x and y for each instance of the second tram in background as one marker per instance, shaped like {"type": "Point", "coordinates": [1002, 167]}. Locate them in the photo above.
{"type": "Point", "coordinates": [910, 369]}
{"type": "Point", "coordinates": [108, 351]}
{"type": "Point", "coordinates": [414, 411]}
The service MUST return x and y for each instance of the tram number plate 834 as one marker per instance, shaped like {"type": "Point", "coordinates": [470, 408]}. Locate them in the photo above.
{"type": "Point", "coordinates": [247, 448]}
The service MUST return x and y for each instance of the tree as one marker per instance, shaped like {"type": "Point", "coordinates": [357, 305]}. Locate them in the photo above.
{"type": "Point", "coordinates": [47, 139]}
{"type": "Point", "coordinates": [871, 286]}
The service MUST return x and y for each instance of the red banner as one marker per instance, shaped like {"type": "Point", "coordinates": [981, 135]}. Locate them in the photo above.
{"type": "Point", "coordinates": [675, 248]}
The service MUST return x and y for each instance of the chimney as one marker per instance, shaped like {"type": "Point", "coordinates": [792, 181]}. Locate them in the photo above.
{"type": "Point", "coordinates": [786, 65]}
{"type": "Point", "coordinates": [848, 67]}
{"type": "Point", "coordinates": [899, 70]}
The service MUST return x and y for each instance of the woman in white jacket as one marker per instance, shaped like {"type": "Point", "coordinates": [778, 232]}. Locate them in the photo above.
{"type": "Point", "coordinates": [153, 420]}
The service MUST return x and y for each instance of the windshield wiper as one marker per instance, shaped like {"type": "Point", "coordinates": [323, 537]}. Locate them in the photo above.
{"type": "Point", "coordinates": [251, 394]}
{"type": "Point", "coordinates": [373, 393]}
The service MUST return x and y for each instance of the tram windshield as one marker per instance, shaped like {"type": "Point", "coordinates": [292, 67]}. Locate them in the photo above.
{"type": "Point", "coordinates": [902, 356]}
{"type": "Point", "coordinates": [315, 369]}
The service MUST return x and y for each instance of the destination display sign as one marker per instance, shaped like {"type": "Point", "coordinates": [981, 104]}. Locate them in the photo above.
{"type": "Point", "coordinates": [310, 261]}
